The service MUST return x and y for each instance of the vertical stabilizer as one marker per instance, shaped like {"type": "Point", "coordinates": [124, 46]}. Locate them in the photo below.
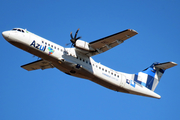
{"type": "Point", "coordinates": [151, 76]}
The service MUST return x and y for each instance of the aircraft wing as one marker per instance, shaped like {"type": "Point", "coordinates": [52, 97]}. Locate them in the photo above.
{"type": "Point", "coordinates": [39, 64]}
{"type": "Point", "coordinates": [111, 41]}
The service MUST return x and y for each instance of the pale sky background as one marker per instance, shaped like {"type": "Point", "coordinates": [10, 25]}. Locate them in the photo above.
{"type": "Point", "coordinates": [52, 95]}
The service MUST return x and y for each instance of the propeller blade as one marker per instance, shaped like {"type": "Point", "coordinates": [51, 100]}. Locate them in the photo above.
{"type": "Point", "coordinates": [71, 35]}
{"type": "Point", "coordinates": [78, 38]}
{"type": "Point", "coordinates": [74, 39]}
{"type": "Point", "coordinates": [76, 34]}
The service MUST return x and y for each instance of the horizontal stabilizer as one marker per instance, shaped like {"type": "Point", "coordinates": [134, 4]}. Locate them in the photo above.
{"type": "Point", "coordinates": [166, 65]}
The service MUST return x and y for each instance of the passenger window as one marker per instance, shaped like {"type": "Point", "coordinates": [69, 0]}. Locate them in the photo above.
{"type": "Point", "coordinates": [42, 41]}
{"type": "Point", "coordinates": [45, 43]}
{"type": "Point", "coordinates": [58, 48]}
{"type": "Point", "coordinates": [51, 45]}
{"type": "Point", "coordinates": [55, 47]}
{"type": "Point", "coordinates": [48, 44]}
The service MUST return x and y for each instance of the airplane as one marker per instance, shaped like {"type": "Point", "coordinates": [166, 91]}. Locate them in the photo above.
{"type": "Point", "coordinates": [77, 61]}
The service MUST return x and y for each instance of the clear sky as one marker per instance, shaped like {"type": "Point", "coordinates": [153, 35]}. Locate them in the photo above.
{"type": "Point", "coordinates": [52, 95]}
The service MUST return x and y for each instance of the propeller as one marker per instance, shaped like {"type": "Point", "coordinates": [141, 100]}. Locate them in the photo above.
{"type": "Point", "coordinates": [74, 39]}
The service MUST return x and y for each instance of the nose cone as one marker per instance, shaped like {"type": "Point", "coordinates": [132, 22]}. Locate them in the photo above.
{"type": "Point", "coordinates": [5, 34]}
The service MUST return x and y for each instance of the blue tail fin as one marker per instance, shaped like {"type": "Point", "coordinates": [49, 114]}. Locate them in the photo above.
{"type": "Point", "coordinates": [151, 76]}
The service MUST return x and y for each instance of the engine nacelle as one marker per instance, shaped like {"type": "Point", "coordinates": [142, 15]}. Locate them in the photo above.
{"type": "Point", "coordinates": [83, 45]}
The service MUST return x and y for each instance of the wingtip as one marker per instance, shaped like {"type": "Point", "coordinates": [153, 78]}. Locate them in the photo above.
{"type": "Point", "coordinates": [174, 63]}
{"type": "Point", "coordinates": [133, 30]}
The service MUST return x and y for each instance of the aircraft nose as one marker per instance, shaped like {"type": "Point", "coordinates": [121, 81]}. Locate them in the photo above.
{"type": "Point", "coordinates": [5, 34]}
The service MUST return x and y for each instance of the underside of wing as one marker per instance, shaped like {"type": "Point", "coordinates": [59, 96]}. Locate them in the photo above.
{"type": "Point", "coordinates": [111, 41]}
{"type": "Point", "coordinates": [39, 64]}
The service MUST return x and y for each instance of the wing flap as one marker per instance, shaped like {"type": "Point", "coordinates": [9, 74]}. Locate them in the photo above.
{"type": "Point", "coordinates": [39, 64]}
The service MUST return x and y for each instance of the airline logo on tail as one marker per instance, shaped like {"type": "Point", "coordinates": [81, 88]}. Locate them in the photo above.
{"type": "Point", "coordinates": [151, 76]}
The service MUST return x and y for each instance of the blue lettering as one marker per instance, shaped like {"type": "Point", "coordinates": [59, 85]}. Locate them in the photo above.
{"type": "Point", "coordinates": [38, 46]}
{"type": "Point", "coordinates": [33, 43]}
{"type": "Point", "coordinates": [41, 48]}
{"type": "Point", "coordinates": [44, 48]}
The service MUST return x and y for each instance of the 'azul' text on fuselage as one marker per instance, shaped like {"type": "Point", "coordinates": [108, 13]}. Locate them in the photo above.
{"type": "Point", "coordinates": [38, 46]}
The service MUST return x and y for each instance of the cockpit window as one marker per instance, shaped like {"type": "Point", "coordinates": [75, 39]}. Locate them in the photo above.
{"type": "Point", "coordinates": [20, 30]}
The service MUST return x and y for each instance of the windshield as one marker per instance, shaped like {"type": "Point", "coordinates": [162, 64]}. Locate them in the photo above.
{"type": "Point", "coordinates": [18, 29]}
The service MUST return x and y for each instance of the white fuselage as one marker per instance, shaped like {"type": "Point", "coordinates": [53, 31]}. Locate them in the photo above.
{"type": "Point", "coordinates": [72, 62]}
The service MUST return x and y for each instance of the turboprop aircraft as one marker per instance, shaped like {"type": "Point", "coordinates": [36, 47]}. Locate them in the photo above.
{"type": "Point", "coordinates": [77, 61]}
